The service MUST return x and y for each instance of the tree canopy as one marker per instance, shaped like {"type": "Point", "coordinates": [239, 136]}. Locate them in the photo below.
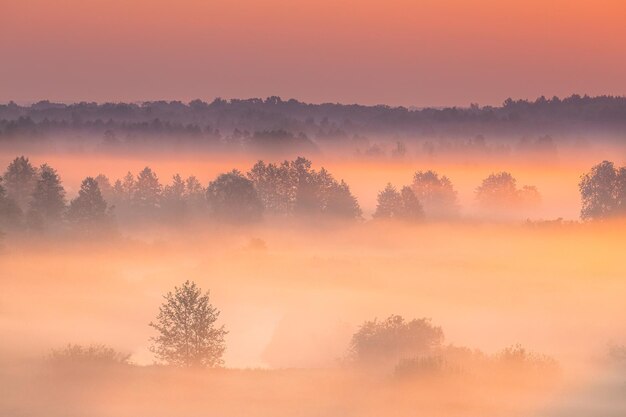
{"type": "Point", "coordinates": [603, 192]}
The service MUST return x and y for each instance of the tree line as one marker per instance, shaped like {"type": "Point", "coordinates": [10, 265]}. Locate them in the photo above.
{"type": "Point", "coordinates": [201, 122]}
{"type": "Point", "coordinates": [34, 197]}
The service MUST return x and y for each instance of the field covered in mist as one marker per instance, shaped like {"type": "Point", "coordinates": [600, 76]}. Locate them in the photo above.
{"type": "Point", "coordinates": [292, 294]}
{"type": "Point", "coordinates": [430, 275]}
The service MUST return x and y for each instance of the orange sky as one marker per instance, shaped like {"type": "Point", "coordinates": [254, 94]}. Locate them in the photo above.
{"type": "Point", "coordinates": [419, 52]}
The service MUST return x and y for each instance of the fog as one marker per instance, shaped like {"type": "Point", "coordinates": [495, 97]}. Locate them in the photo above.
{"type": "Point", "coordinates": [293, 291]}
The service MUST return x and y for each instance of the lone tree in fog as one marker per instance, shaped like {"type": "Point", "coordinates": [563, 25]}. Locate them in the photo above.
{"type": "Point", "coordinates": [188, 336]}
{"type": "Point", "coordinates": [603, 192]}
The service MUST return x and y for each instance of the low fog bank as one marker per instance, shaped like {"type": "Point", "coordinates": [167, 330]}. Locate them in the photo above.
{"type": "Point", "coordinates": [292, 300]}
{"type": "Point", "coordinates": [555, 288]}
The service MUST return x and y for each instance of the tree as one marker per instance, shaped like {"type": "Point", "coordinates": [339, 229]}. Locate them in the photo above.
{"type": "Point", "coordinates": [435, 193]}
{"type": "Point", "coordinates": [174, 200]}
{"type": "Point", "coordinates": [89, 208]}
{"type": "Point", "coordinates": [394, 338]}
{"type": "Point", "coordinates": [10, 213]}
{"type": "Point", "coordinates": [411, 207]}
{"type": "Point", "coordinates": [402, 205]}
{"type": "Point", "coordinates": [106, 189]}
{"type": "Point", "coordinates": [603, 192]}
{"type": "Point", "coordinates": [340, 203]}
{"type": "Point", "coordinates": [232, 197]}
{"type": "Point", "coordinates": [48, 200]}
{"type": "Point", "coordinates": [147, 193]}
{"type": "Point", "coordinates": [187, 334]}
{"type": "Point", "coordinates": [389, 203]}
{"type": "Point", "coordinates": [274, 186]}
{"type": "Point", "coordinates": [20, 180]}
{"type": "Point", "coordinates": [334, 198]}
{"type": "Point", "coordinates": [195, 194]}
{"type": "Point", "coordinates": [293, 187]}
{"type": "Point", "coordinates": [499, 191]}
{"type": "Point", "coordinates": [124, 190]}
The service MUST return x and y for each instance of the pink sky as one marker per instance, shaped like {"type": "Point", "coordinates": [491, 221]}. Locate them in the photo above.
{"type": "Point", "coordinates": [419, 52]}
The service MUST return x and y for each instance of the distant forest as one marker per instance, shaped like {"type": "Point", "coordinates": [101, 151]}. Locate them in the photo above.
{"type": "Point", "coordinates": [274, 124]}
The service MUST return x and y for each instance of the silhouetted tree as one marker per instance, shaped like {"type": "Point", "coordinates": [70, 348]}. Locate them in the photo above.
{"type": "Point", "coordinates": [89, 208]}
{"type": "Point", "coordinates": [500, 190]}
{"type": "Point", "coordinates": [174, 201]}
{"type": "Point", "coordinates": [294, 187]}
{"type": "Point", "coordinates": [394, 338]}
{"type": "Point", "coordinates": [188, 336]}
{"type": "Point", "coordinates": [411, 207]}
{"type": "Point", "coordinates": [147, 193]}
{"type": "Point", "coordinates": [334, 198]}
{"type": "Point", "coordinates": [389, 203]}
{"type": "Point", "coordinates": [20, 179]}
{"type": "Point", "coordinates": [195, 194]}
{"type": "Point", "coordinates": [436, 194]}
{"type": "Point", "coordinates": [106, 189]}
{"type": "Point", "coordinates": [10, 213]}
{"type": "Point", "coordinates": [124, 190]}
{"type": "Point", "coordinates": [306, 199]}
{"type": "Point", "coordinates": [340, 203]}
{"type": "Point", "coordinates": [275, 186]}
{"type": "Point", "coordinates": [603, 192]}
{"type": "Point", "coordinates": [402, 205]}
{"type": "Point", "coordinates": [48, 200]}
{"type": "Point", "coordinates": [232, 197]}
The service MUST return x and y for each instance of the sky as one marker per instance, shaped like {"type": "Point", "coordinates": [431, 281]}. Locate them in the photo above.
{"type": "Point", "coordinates": [396, 52]}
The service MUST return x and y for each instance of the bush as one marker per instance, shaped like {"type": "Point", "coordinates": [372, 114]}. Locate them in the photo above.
{"type": "Point", "coordinates": [95, 354]}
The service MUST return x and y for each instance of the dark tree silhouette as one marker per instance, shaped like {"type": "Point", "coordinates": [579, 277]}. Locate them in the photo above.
{"type": "Point", "coordinates": [293, 187]}
{"type": "Point", "coordinates": [48, 200]}
{"type": "Point", "coordinates": [232, 197]}
{"type": "Point", "coordinates": [603, 192]}
{"type": "Point", "coordinates": [394, 338]}
{"type": "Point", "coordinates": [20, 179]}
{"type": "Point", "coordinates": [402, 205]}
{"type": "Point", "coordinates": [187, 334]}
{"type": "Point", "coordinates": [274, 185]}
{"type": "Point", "coordinates": [89, 208]}
{"type": "Point", "coordinates": [124, 189]}
{"type": "Point", "coordinates": [335, 198]}
{"type": "Point", "coordinates": [195, 194]}
{"type": "Point", "coordinates": [147, 192]}
{"type": "Point", "coordinates": [10, 213]}
{"type": "Point", "coordinates": [436, 194]}
{"type": "Point", "coordinates": [389, 203]}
